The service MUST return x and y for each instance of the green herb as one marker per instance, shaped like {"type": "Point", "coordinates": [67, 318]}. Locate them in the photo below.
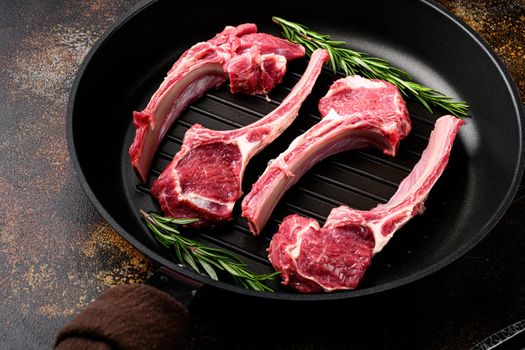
{"type": "Point", "coordinates": [352, 62]}
{"type": "Point", "coordinates": [201, 258]}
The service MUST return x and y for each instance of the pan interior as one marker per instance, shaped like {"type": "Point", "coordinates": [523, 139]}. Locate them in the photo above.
{"type": "Point", "coordinates": [127, 66]}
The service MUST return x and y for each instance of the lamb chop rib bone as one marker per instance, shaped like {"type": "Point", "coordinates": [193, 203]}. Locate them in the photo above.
{"type": "Point", "coordinates": [336, 256]}
{"type": "Point", "coordinates": [204, 178]}
{"type": "Point", "coordinates": [357, 113]}
{"type": "Point", "coordinates": [254, 63]}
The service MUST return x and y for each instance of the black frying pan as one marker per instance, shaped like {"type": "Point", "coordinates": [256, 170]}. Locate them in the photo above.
{"type": "Point", "coordinates": [125, 67]}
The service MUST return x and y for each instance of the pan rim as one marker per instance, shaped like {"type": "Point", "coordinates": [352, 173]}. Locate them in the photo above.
{"type": "Point", "coordinates": [445, 261]}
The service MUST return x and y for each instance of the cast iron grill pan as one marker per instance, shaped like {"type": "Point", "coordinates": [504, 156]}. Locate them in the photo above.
{"type": "Point", "coordinates": [126, 66]}
{"type": "Point", "coordinates": [359, 179]}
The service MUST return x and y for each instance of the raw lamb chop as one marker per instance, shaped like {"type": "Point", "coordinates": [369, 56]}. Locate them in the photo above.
{"type": "Point", "coordinates": [336, 256]}
{"type": "Point", "coordinates": [357, 113]}
{"type": "Point", "coordinates": [204, 179]}
{"type": "Point", "coordinates": [253, 62]}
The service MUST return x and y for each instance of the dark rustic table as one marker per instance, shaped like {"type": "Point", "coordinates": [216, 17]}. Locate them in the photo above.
{"type": "Point", "coordinates": [57, 254]}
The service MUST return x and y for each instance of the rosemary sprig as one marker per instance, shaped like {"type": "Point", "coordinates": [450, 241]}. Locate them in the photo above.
{"type": "Point", "coordinates": [352, 62]}
{"type": "Point", "coordinates": [201, 258]}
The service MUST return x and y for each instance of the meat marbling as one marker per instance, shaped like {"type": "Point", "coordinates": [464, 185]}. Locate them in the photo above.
{"type": "Point", "coordinates": [336, 256]}
{"type": "Point", "coordinates": [253, 62]}
{"type": "Point", "coordinates": [357, 113]}
{"type": "Point", "coordinates": [204, 178]}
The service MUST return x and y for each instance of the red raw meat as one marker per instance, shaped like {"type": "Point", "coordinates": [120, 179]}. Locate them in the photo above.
{"type": "Point", "coordinates": [336, 256]}
{"type": "Point", "coordinates": [254, 63]}
{"type": "Point", "coordinates": [204, 179]}
{"type": "Point", "coordinates": [357, 113]}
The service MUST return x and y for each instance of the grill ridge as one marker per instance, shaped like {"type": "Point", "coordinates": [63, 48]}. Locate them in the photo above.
{"type": "Point", "coordinates": [378, 171]}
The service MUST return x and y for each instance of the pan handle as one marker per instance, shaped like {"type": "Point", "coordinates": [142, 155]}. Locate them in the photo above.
{"type": "Point", "coordinates": [180, 287]}
{"type": "Point", "coordinates": [136, 316]}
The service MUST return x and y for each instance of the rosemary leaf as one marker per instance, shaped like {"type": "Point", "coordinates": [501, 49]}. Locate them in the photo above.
{"type": "Point", "coordinates": [209, 269]}
{"type": "Point", "coordinates": [352, 62]}
{"type": "Point", "coordinates": [189, 260]}
{"type": "Point", "coordinates": [228, 266]}
{"type": "Point", "coordinates": [178, 251]}
{"type": "Point", "coordinates": [201, 258]}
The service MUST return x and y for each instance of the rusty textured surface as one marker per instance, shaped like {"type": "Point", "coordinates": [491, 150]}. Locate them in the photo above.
{"type": "Point", "coordinates": [57, 254]}
{"type": "Point", "coordinates": [502, 24]}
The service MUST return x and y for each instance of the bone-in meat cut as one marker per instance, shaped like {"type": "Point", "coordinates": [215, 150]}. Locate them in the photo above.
{"type": "Point", "coordinates": [253, 62]}
{"type": "Point", "coordinates": [356, 113]}
{"type": "Point", "coordinates": [204, 178]}
{"type": "Point", "coordinates": [336, 256]}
